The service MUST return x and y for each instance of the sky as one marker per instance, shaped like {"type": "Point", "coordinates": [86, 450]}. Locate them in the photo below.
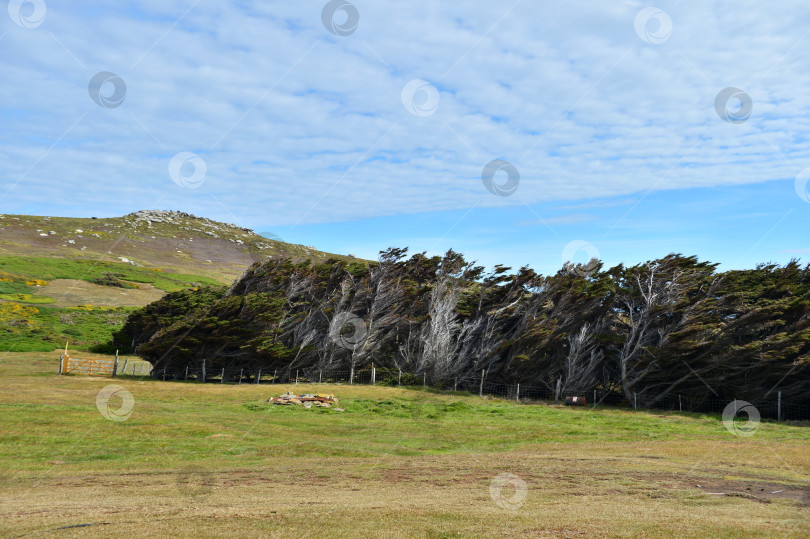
{"type": "Point", "coordinates": [517, 133]}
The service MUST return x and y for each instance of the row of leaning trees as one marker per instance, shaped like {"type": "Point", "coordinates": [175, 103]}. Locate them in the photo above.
{"type": "Point", "coordinates": [669, 326]}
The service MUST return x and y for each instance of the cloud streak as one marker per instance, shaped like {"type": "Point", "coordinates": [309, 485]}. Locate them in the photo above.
{"type": "Point", "coordinates": [286, 114]}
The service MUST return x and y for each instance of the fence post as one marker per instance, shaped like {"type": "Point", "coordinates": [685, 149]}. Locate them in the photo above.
{"type": "Point", "coordinates": [779, 406]}
{"type": "Point", "coordinates": [64, 359]}
{"type": "Point", "coordinates": [424, 379]}
{"type": "Point", "coordinates": [594, 398]}
{"type": "Point", "coordinates": [296, 376]}
{"type": "Point", "coordinates": [517, 393]}
{"type": "Point", "coordinates": [373, 375]}
{"type": "Point", "coordinates": [62, 368]}
{"type": "Point", "coordinates": [115, 365]}
{"type": "Point", "coordinates": [399, 378]}
{"type": "Point", "coordinates": [164, 374]}
{"type": "Point", "coordinates": [124, 368]}
{"type": "Point", "coordinates": [351, 376]}
{"type": "Point", "coordinates": [240, 375]}
{"type": "Point", "coordinates": [203, 372]}
{"type": "Point", "coordinates": [557, 391]}
{"type": "Point", "coordinates": [680, 406]}
{"type": "Point", "coordinates": [222, 380]}
{"type": "Point", "coordinates": [635, 401]}
{"type": "Point", "coordinates": [258, 377]}
{"type": "Point", "coordinates": [320, 376]}
{"type": "Point", "coordinates": [185, 379]}
{"type": "Point", "coordinates": [455, 384]}
{"type": "Point", "coordinates": [274, 375]}
{"type": "Point", "coordinates": [481, 387]}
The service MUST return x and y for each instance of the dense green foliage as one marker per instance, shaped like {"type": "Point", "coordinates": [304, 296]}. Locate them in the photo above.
{"type": "Point", "coordinates": [672, 325]}
{"type": "Point", "coordinates": [172, 308]}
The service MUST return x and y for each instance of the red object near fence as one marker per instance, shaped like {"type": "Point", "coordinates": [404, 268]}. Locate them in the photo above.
{"type": "Point", "coordinates": [575, 401]}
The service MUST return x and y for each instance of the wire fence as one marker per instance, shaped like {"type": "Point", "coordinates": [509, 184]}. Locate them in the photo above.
{"type": "Point", "coordinates": [770, 406]}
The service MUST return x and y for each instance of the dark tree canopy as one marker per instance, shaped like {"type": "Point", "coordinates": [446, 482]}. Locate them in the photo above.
{"type": "Point", "coordinates": [668, 326]}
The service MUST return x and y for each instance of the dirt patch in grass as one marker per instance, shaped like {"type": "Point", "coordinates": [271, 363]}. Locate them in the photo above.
{"type": "Point", "coordinates": [753, 490]}
{"type": "Point", "coordinates": [73, 292]}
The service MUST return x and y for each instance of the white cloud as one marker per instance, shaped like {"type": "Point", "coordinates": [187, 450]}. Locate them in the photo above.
{"type": "Point", "coordinates": [298, 125]}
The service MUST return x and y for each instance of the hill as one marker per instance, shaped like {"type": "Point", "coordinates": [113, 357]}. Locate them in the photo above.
{"type": "Point", "coordinates": [169, 240]}
{"type": "Point", "coordinates": [66, 278]}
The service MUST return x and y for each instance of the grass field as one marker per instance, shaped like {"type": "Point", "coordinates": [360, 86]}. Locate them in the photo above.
{"type": "Point", "coordinates": [213, 460]}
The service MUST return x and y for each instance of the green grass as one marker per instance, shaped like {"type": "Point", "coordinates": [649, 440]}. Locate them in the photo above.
{"type": "Point", "coordinates": [49, 269]}
{"type": "Point", "coordinates": [376, 420]}
{"type": "Point", "coordinates": [14, 287]}
{"type": "Point", "coordinates": [218, 460]}
{"type": "Point", "coordinates": [51, 327]}
{"type": "Point", "coordinates": [27, 298]}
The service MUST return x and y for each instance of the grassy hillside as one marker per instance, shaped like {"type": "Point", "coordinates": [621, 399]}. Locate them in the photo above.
{"type": "Point", "coordinates": [170, 241]}
{"type": "Point", "coordinates": [64, 278]}
{"type": "Point", "coordinates": [47, 301]}
{"type": "Point", "coordinates": [217, 460]}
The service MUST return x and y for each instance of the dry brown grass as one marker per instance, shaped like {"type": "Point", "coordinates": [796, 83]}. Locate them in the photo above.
{"type": "Point", "coordinates": [73, 292]}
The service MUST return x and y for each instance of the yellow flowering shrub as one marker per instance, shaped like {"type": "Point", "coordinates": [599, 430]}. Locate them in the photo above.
{"type": "Point", "coordinates": [36, 282]}
{"type": "Point", "coordinates": [88, 307]}
{"type": "Point", "coordinates": [13, 314]}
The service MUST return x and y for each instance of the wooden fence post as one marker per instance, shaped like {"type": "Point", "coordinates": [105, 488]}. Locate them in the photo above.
{"type": "Point", "coordinates": [373, 375]}
{"type": "Point", "coordinates": [275, 371]}
{"type": "Point", "coordinates": [594, 398]}
{"type": "Point", "coordinates": [222, 380]}
{"type": "Point", "coordinates": [61, 363]}
{"type": "Point", "coordinates": [259, 377]}
{"type": "Point", "coordinates": [124, 368]}
{"type": "Point", "coordinates": [680, 406]}
{"type": "Point", "coordinates": [424, 379]}
{"type": "Point", "coordinates": [65, 360]}
{"type": "Point", "coordinates": [185, 378]}
{"type": "Point", "coordinates": [203, 372]}
{"type": "Point", "coordinates": [351, 376]}
{"type": "Point", "coordinates": [517, 393]}
{"type": "Point", "coordinates": [635, 401]}
{"type": "Point", "coordinates": [481, 388]}
{"type": "Point", "coordinates": [399, 377]}
{"type": "Point", "coordinates": [296, 376]}
{"type": "Point", "coordinates": [115, 365]}
{"type": "Point", "coordinates": [240, 375]}
{"type": "Point", "coordinates": [779, 406]}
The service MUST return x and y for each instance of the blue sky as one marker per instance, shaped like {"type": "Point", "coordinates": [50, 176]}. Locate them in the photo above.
{"type": "Point", "coordinates": [352, 138]}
